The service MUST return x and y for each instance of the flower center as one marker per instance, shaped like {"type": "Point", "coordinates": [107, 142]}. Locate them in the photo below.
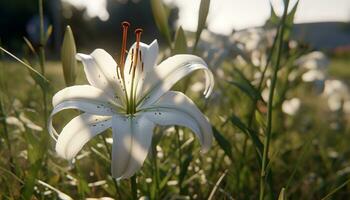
{"type": "Point", "coordinates": [136, 56]}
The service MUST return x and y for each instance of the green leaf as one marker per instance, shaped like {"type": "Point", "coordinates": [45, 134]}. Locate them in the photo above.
{"type": "Point", "coordinates": [68, 52]}
{"type": "Point", "coordinates": [282, 195]}
{"type": "Point", "coordinates": [39, 78]}
{"type": "Point", "coordinates": [224, 144]}
{"type": "Point", "coordinates": [261, 119]}
{"type": "Point", "coordinates": [184, 167]}
{"type": "Point", "coordinates": [246, 89]}
{"type": "Point", "coordinates": [180, 44]}
{"type": "Point", "coordinates": [202, 18]}
{"type": "Point", "coordinates": [185, 162]}
{"type": "Point", "coordinates": [289, 22]}
{"type": "Point", "coordinates": [242, 83]}
{"type": "Point", "coordinates": [161, 18]}
{"type": "Point", "coordinates": [328, 196]}
{"type": "Point", "coordinates": [29, 182]}
{"type": "Point", "coordinates": [30, 46]}
{"type": "Point", "coordinates": [274, 19]}
{"type": "Point", "coordinates": [253, 135]}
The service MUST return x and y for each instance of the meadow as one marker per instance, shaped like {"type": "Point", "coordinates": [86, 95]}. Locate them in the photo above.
{"type": "Point", "coordinates": [264, 145]}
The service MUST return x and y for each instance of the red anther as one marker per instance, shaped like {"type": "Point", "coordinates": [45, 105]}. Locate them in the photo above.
{"type": "Point", "coordinates": [125, 23]}
{"type": "Point", "coordinates": [138, 30]}
{"type": "Point", "coordinates": [125, 26]}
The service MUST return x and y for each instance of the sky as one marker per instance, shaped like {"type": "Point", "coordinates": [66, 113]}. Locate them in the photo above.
{"type": "Point", "coordinates": [226, 15]}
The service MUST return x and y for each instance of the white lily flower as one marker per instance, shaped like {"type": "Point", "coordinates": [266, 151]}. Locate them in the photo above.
{"type": "Point", "coordinates": [131, 97]}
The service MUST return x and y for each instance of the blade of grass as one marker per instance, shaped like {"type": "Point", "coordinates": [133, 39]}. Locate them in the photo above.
{"type": "Point", "coordinates": [269, 105]}
{"type": "Point", "coordinates": [305, 149]}
{"type": "Point", "coordinates": [216, 186]}
{"type": "Point", "coordinates": [202, 18]}
{"type": "Point", "coordinates": [328, 196]}
{"type": "Point", "coordinates": [161, 19]}
{"type": "Point", "coordinates": [26, 65]}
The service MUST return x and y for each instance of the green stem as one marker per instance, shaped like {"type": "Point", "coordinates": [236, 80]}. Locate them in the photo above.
{"type": "Point", "coordinates": [42, 57]}
{"type": "Point", "coordinates": [118, 194]}
{"type": "Point", "coordinates": [180, 156]}
{"type": "Point", "coordinates": [133, 187]}
{"type": "Point", "coordinates": [270, 104]}
{"type": "Point", "coordinates": [155, 170]}
{"type": "Point", "coordinates": [80, 180]}
{"type": "Point", "coordinates": [253, 108]}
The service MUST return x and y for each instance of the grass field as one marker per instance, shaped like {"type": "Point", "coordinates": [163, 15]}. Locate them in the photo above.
{"type": "Point", "coordinates": [309, 151]}
{"type": "Point", "coordinates": [280, 126]}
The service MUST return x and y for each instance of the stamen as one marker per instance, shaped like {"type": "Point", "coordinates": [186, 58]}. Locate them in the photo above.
{"type": "Point", "coordinates": [132, 60]}
{"type": "Point", "coordinates": [138, 33]}
{"type": "Point", "coordinates": [125, 25]}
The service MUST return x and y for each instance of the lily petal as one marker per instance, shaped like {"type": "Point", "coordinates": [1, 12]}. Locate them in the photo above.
{"type": "Point", "coordinates": [175, 108]}
{"type": "Point", "coordinates": [132, 137]}
{"type": "Point", "coordinates": [85, 106]}
{"type": "Point", "coordinates": [149, 55]}
{"type": "Point", "coordinates": [101, 72]}
{"type": "Point", "coordinates": [78, 132]}
{"type": "Point", "coordinates": [169, 72]}
{"type": "Point", "coordinates": [84, 93]}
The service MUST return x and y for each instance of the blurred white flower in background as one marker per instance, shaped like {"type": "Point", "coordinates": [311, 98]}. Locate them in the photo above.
{"type": "Point", "coordinates": [316, 63]}
{"type": "Point", "coordinates": [313, 60]}
{"type": "Point", "coordinates": [15, 122]}
{"type": "Point", "coordinates": [313, 75]}
{"type": "Point", "coordinates": [291, 106]}
{"type": "Point", "coordinates": [22, 122]}
{"type": "Point", "coordinates": [216, 48]}
{"type": "Point", "coordinates": [265, 94]}
{"type": "Point", "coordinates": [93, 8]}
{"type": "Point", "coordinates": [255, 42]}
{"type": "Point", "coordinates": [337, 94]}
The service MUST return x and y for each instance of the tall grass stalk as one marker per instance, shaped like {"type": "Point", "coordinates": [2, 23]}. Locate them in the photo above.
{"type": "Point", "coordinates": [179, 158]}
{"type": "Point", "coordinates": [42, 58]}
{"type": "Point", "coordinates": [270, 104]}
{"type": "Point", "coordinates": [254, 107]}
